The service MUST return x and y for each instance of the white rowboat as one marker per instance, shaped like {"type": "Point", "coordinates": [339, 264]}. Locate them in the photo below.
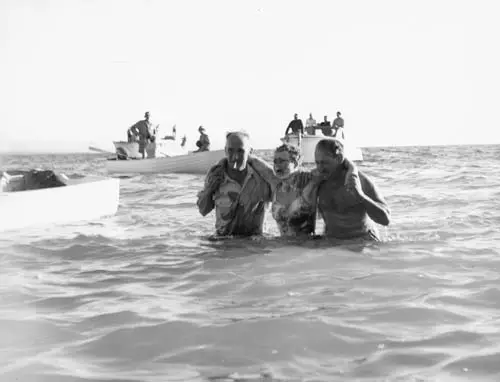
{"type": "Point", "coordinates": [192, 163]}
{"type": "Point", "coordinates": [307, 144]}
{"type": "Point", "coordinates": [164, 147]}
{"type": "Point", "coordinates": [86, 198]}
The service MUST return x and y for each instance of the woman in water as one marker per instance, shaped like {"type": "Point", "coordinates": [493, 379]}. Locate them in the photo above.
{"type": "Point", "coordinates": [294, 200]}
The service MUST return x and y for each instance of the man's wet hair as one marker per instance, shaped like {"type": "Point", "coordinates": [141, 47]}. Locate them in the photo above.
{"type": "Point", "coordinates": [331, 146]}
{"type": "Point", "coordinates": [239, 133]}
{"type": "Point", "coordinates": [292, 150]}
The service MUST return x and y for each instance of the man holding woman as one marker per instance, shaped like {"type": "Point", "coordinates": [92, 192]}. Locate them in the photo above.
{"type": "Point", "coordinates": [345, 197]}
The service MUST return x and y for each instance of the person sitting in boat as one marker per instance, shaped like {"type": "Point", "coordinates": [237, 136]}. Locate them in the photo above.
{"type": "Point", "coordinates": [151, 147]}
{"type": "Point", "coordinates": [338, 124]}
{"type": "Point", "coordinates": [348, 213]}
{"type": "Point", "coordinates": [121, 153]}
{"type": "Point", "coordinates": [326, 127]}
{"type": "Point", "coordinates": [31, 180]}
{"type": "Point", "coordinates": [203, 143]}
{"type": "Point", "coordinates": [310, 125]}
{"type": "Point", "coordinates": [295, 126]}
{"type": "Point", "coordinates": [239, 194]}
{"type": "Point", "coordinates": [294, 189]}
{"type": "Point", "coordinates": [142, 130]}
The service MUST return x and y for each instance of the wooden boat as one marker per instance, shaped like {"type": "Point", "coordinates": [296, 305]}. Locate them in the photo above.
{"type": "Point", "coordinates": [164, 147]}
{"type": "Point", "coordinates": [192, 163]}
{"type": "Point", "coordinates": [85, 198]}
{"type": "Point", "coordinates": [307, 144]}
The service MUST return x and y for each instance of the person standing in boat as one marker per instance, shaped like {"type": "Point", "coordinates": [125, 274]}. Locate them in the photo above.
{"type": "Point", "coordinates": [239, 194]}
{"type": "Point", "coordinates": [203, 142]}
{"type": "Point", "coordinates": [348, 213]}
{"type": "Point", "coordinates": [326, 127]}
{"type": "Point", "coordinates": [338, 124]}
{"type": "Point", "coordinates": [310, 125]}
{"type": "Point", "coordinates": [142, 130]}
{"type": "Point", "coordinates": [295, 126]}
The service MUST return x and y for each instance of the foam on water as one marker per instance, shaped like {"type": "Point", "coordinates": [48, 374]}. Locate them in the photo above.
{"type": "Point", "coordinates": [144, 296]}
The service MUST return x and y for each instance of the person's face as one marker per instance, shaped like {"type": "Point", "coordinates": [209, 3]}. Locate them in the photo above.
{"type": "Point", "coordinates": [283, 164]}
{"type": "Point", "coordinates": [325, 118]}
{"type": "Point", "coordinates": [295, 116]}
{"type": "Point", "coordinates": [237, 151]}
{"type": "Point", "coordinates": [146, 116]}
{"type": "Point", "coordinates": [326, 163]}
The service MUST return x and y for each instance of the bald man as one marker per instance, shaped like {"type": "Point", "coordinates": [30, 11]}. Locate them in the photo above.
{"type": "Point", "coordinates": [239, 194]}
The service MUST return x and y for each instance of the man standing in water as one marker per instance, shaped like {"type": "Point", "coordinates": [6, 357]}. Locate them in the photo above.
{"type": "Point", "coordinates": [338, 123]}
{"type": "Point", "coordinates": [142, 130]}
{"type": "Point", "coordinates": [347, 213]}
{"type": "Point", "coordinates": [239, 194]}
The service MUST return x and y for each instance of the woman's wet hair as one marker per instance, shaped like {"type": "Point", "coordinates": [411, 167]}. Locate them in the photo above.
{"type": "Point", "coordinates": [292, 150]}
{"type": "Point", "coordinates": [331, 146]}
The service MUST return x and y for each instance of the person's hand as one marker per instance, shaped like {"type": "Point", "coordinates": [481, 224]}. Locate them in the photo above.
{"type": "Point", "coordinates": [222, 162]}
{"type": "Point", "coordinates": [317, 177]}
{"type": "Point", "coordinates": [215, 177]}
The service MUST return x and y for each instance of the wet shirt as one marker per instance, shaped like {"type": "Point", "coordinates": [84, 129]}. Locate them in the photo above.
{"type": "Point", "coordinates": [291, 209]}
{"type": "Point", "coordinates": [239, 209]}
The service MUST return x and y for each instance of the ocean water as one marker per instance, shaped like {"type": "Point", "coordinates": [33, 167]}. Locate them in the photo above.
{"type": "Point", "coordinates": [144, 296]}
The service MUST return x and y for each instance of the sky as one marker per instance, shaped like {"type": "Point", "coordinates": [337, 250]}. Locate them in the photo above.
{"type": "Point", "coordinates": [80, 72]}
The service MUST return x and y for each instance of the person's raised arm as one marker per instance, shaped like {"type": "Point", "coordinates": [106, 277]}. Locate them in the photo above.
{"type": "Point", "coordinates": [213, 180]}
{"type": "Point", "coordinates": [375, 204]}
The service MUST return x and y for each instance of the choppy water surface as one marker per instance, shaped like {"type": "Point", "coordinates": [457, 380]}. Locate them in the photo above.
{"type": "Point", "coordinates": [143, 296]}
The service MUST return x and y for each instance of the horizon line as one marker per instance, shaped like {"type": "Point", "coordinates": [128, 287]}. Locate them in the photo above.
{"type": "Point", "coordinates": [48, 152]}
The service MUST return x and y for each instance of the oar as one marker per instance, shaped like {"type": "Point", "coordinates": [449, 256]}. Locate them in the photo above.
{"type": "Point", "coordinates": [96, 149]}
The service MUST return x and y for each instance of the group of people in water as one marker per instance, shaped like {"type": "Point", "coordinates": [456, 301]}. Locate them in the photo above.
{"type": "Point", "coordinates": [328, 129]}
{"type": "Point", "coordinates": [241, 186]}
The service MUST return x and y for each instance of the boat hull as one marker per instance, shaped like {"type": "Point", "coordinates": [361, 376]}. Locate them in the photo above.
{"type": "Point", "coordinates": [193, 163]}
{"type": "Point", "coordinates": [308, 145]}
{"type": "Point", "coordinates": [81, 199]}
{"type": "Point", "coordinates": [164, 147]}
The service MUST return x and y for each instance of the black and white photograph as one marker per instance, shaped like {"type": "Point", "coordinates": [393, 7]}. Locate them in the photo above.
{"type": "Point", "coordinates": [249, 191]}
